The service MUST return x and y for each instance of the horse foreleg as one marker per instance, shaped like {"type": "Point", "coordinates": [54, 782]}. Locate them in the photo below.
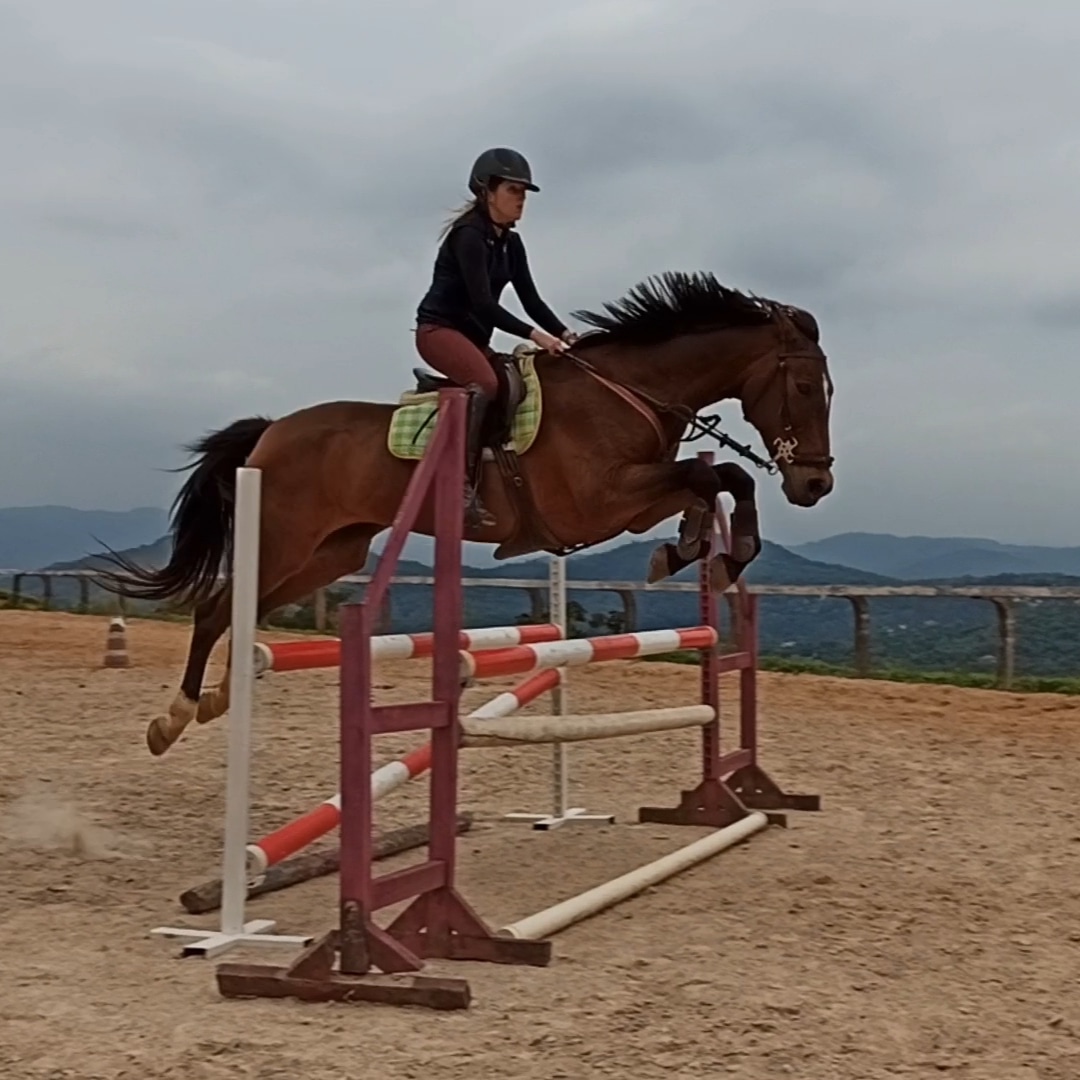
{"type": "Point", "coordinates": [745, 531]}
{"type": "Point", "coordinates": [665, 489]}
{"type": "Point", "coordinates": [696, 530]}
{"type": "Point", "coordinates": [340, 554]}
{"type": "Point", "coordinates": [704, 484]}
{"type": "Point", "coordinates": [727, 567]}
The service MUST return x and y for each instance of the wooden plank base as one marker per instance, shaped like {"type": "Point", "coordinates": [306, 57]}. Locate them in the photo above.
{"type": "Point", "coordinates": [442, 925]}
{"type": "Point", "coordinates": [264, 981]}
{"type": "Point", "coordinates": [437, 924]}
{"type": "Point", "coordinates": [756, 789]}
{"type": "Point", "coordinates": [312, 976]}
{"type": "Point", "coordinates": [719, 803]}
{"type": "Point", "coordinates": [711, 803]}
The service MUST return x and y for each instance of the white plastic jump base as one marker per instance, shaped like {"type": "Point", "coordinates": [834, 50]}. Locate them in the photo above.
{"type": "Point", "coordinates": [561, 814]}
{"type": "Point", "coordinates": [569, 816]}
{"type": "Point", "coordinates": [559, 916]}
{"type": "Point", "coordinates": [211, 943]}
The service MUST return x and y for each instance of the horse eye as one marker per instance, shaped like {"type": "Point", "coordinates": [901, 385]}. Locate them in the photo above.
{"type": "Point", "coordinates": [805, 388]}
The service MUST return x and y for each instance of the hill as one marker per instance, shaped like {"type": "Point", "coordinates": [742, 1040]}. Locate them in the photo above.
{"type": "Point", "coordinates": [923, 558]}
{"type": "Point", "coordinates": [37, 536]}
{"type": "Point", "coordinates": [916, 633]}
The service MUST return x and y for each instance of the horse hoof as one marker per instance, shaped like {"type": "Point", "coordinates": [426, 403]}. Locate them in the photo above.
{"type": "Point", "coordinates": [720, 578]}
{"type": "Point", "coordinates": [659, 564]}
{"type": "Point", "coordinates": [157, 738]}
{"type": "Point", "coordinates": [209, 707]}
{"type": "Point", "coordinates": [163, 731]}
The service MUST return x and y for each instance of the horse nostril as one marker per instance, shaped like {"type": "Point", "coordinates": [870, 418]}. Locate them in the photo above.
{"type": "Point", "coordinates": [816, 486]}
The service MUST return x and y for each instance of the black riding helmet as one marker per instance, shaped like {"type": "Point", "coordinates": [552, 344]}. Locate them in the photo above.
{"type": "Point", "coordinates": [500, 163]}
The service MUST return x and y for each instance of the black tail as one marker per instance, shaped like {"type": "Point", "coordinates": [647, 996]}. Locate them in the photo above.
{"type": "Point", "coordinates": [201, 523]}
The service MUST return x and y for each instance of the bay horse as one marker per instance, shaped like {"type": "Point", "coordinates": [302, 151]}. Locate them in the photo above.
{"type": "Point", "coordinates": [603, 462]}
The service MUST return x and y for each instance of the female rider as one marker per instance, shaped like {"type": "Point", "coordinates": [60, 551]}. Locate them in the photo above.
{"type": "Point", "coordinates": [479, 256]}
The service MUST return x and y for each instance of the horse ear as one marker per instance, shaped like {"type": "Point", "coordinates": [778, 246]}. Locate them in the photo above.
{"type": "Point", "coordinates": [806, 323]}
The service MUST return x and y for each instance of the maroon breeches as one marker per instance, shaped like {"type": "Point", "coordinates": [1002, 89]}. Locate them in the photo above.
{"type": "Point", "coordinates": [452, 354]}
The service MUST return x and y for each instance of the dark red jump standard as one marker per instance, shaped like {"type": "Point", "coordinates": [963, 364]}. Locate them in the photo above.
{"type": "Point", "coordinates": [438, 923]}
{"type": "Point", "coordinates": [732, 784]}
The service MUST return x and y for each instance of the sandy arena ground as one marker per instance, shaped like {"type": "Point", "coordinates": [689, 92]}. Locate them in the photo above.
{"type": "Point", "coordinates": [927, 923]}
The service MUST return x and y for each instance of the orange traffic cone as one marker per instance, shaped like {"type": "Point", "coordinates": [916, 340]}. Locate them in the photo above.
{"type": "Point", "coordinates": [116, 653]}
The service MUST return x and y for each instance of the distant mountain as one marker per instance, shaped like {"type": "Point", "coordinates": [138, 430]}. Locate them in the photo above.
{"type": "Point", "coordinates": [916, 633]}
{"type": "Point", "coordinates": [923, 558]}
{"type": "Point", "coordinates": [813, 621]}
{"type": "Point", "coordinates": [626, 563]}
{"type": "Point", "coordinates": [33, 537]}
{"type": "Point", "coordinates": [154, 555]}
{"type": "Point", "coordinates": [629, 562]}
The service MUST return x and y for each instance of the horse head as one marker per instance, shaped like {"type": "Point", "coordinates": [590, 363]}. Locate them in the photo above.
{"type": "Point", "coordinates": [786, 396]}
{"type": "Point", "coordinates": [684, 342]}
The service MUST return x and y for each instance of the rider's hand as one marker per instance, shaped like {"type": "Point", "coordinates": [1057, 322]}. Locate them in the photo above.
{"type": "Point", "coordinates": [547, 341]}
{"type": "Point", "coordinates": [569, 337]}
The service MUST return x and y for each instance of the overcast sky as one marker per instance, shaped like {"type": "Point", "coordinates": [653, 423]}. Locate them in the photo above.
{"type": "Point", "coordinates": [211, 208]}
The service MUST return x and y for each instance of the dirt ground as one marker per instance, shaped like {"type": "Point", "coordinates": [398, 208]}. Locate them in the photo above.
{"type": "Point", "coordinates": [926, 923]}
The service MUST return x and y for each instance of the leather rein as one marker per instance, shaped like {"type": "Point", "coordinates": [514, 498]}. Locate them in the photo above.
{"type": "Point", "coordinates": [786, 444]}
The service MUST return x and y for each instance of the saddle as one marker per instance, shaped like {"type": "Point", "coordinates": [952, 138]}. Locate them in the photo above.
{"type": "Point", "coordinates": [497, 441]}
{"type": "Point", "coordinates": [512, 390]}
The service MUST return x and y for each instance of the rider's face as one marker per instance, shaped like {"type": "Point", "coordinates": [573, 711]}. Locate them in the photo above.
{"type": "Point", "coordinates": [507, 202]}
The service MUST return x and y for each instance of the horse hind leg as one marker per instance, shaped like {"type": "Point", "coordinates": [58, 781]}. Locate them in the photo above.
{"type": "Point", "coordinates": [207, 709]}
{"type": "Point", "coordinates": [211, 619]}
{"type": "Point", "coordinates": [343, 552]}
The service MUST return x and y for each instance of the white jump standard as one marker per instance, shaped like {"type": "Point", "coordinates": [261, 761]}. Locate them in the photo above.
{"type": "Point", "coordinates": [562, 813]}
{"type": "Point", "coordinates": [234, 930]}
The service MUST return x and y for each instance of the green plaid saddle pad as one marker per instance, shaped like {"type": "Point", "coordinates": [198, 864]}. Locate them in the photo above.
{"type": "Point", "coordinates": [414, 420]}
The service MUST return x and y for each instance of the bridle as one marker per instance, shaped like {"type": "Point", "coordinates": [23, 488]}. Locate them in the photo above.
{"type": "Point", "coordinates": [786, 444]}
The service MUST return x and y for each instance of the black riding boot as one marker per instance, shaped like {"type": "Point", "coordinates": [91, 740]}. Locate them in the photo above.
{"type": "Point", "coordinates": [475, 513]}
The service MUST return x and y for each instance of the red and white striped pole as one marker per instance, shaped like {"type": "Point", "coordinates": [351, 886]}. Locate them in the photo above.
{"type": "Point", "coordinates": [522, 659]}
{"type": "Point", "coordinates": [305, 830]}
{"type": "Point", "coordinates": [326, 652]}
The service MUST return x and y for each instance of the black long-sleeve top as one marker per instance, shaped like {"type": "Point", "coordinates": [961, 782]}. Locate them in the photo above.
{"type": "Point", "coordinates": [474, 265]}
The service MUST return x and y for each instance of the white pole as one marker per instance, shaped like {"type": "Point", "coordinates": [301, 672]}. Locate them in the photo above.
{"type": "Point", "coordinates": [532, 730]}
{"type": "Point", "coordinates": [245, 599]}
{"type": "Point", "coordinates": [556, 918]}
{"type": "Point", "coordinates": [561, 811]}
{"type": "Point", "coordinates": [560, 773]}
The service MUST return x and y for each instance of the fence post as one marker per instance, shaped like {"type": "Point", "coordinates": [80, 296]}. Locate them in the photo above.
{"type": "Point", "coordinates": [861, 610]}
{"type": "Point", "coordinates": [1006, 615]}
{"type": "Point", "coordinates": [629, 605]}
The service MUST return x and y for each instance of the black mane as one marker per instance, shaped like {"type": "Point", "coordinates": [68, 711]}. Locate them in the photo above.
{"type": "Point", "coordinates": [674, 303]}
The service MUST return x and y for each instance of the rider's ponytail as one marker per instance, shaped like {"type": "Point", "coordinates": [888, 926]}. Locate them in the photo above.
{"type": "Point", "coordinates": [457, 215]}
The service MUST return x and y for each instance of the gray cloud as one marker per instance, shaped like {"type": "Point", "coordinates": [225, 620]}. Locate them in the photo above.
{"type": "Point", "coordinates": [225, 210]}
